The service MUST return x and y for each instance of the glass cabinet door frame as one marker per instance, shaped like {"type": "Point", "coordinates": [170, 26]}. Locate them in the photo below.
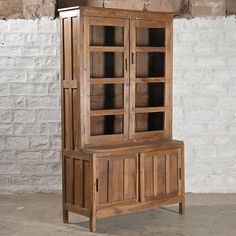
{"type": "Point", "coordinates": [88, 81]}
{"type": "Point", "coordinates": [167, 79]}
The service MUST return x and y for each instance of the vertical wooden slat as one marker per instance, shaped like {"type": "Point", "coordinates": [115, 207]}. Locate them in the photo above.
{"type": "Point", "coordinates": [130, 178]}
{"type": "Point", "coordinates": [77, 182]}
{"type": "Point", "coordinates": [103, 181]}
{"type": "Point", "coordinates": [68, 48]}
{"type": "Point", "coordinates": [167, 173]}
{"type": "Point", "coordinates": [169, 79]}
{"type": "Point", "coordinates": [87, 187]}
{"type": "Point", "coordinates": [149, 176]}
{"type": "Point", "coordinates": [116, 181]}
{"type": "Point", "coordinates": [126, 69]}
{"type": "Point", "coordinates": [75, 111]}
{"type": "Point", "coordinates": [67, 119]}
{"type": "Point", "coordinates": [93, 193]}
{"type": "Point", "coordinates": [132, 80]}
{"type": "Point", "coordinates": [161, 175]}
{"type": "Point", "coordinates": [68, 180]}
{"type": "Point", "coordinates": [173, 173]}
{"type": "Point", "coordinates": [141, 178]}
{"type": "Point", "coordinates": [155, 175]}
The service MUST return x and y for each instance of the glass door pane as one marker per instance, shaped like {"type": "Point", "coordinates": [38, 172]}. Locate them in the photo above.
{"type": "Point", "coordinates": [108, 75]}
{"type": "Point", "coordinates": [148, 54]}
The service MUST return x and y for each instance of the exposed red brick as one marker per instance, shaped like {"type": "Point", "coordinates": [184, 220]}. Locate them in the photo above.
{"type": "Point", "coordinates": [231, 7]}
{"type": "Point", "coordinates": [11, 9]}
{"type": "Point", "coordinates": [207, 8]}
{"type": "Point", "coordinates": [160, 5]}
{"type": "Point", "coordinates": [38, 8]}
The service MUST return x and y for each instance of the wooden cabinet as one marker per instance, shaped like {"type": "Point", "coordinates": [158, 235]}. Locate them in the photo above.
{"type": "Point", "coordinates": [116, 85]}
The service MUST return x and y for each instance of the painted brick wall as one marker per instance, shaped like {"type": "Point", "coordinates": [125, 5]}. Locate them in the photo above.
{"type": "Point", "coordinates": [204, 103]}
{"type": "Point", "coordinates": [29, 105]}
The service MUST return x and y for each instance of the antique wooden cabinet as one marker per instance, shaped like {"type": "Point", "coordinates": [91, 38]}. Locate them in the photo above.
{"type": "Point", "coordinates": [118, 155]}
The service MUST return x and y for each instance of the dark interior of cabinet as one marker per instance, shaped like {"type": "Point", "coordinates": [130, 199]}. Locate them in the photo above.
{"type": "Point", "coordinates": [106, 125]}
{"type": "Point", "coordinates": [145, 122]}
{"type": "Point", "coordinates": [107, 65]}
{"type": "Point", "coordinates": [150, 95]}
{"type": "Point", "coordinates": [111, 65]}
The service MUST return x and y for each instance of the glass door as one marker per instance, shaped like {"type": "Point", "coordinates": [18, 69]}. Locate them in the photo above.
{"type": "Point", "coordinates": [150, 76]}
{"type": "Point", "coordinates": [107, 79]}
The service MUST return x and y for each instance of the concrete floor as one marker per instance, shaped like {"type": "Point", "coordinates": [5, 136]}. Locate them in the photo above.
{"type": "Point", "coordinates": [40, 215]}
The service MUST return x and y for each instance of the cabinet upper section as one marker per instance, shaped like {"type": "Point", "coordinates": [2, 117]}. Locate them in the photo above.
{"type": "Point", "coordinates": [116, 70]}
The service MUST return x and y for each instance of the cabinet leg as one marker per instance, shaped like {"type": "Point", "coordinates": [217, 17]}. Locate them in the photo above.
{"type": "Point", "coordinates": [92, 223]}
{"type": "Point", "coordinates": [182, 207]}
{"type": "Point", "coordinates": [65, 216]}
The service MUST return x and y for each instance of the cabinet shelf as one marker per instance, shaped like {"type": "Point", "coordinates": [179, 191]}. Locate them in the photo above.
{"type": "Point", "coordinates": [150, 80]}
{"type": "Point", "coordinates": [150, 49]}
{"type": "Point", "coordinates": [106, 49]}
{"type": "Point", "coordinates": [149, 109]}
{"type": "Point", "coordinates": [107, 112]}
{"type": "Point", "coordinates": [107, 81]}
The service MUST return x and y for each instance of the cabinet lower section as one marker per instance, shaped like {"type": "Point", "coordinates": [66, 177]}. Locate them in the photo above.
{"type": "Point", "coordinates": [102, 183]}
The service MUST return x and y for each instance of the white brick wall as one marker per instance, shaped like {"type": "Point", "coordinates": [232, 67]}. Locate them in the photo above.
{"type": "Point", "coordinates": [204, 104]}
{"type": "Point", "coordinates": [205, 101]}
{"type": "Point", "coordinates": [29, 106]}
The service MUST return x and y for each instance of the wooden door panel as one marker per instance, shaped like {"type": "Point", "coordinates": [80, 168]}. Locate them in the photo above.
{"type": "Point", "coordinates": [160, 173]}
{"type": "Point", "coordinates": [130, 178]}
{"type": "Point", "coordinates": [117, 179]}
{"type": "Point", "coordinates": [149, 176]}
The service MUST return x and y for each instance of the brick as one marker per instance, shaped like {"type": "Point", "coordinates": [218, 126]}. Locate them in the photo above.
{"type": "Point", "coordinates": [43, 76]}
{"type": "Point", "coordinates": [29, 89]}
{"type": "Point", "coordinates": [26, 129]}
{"type": "Point", "coordinates": [36, 168]}
{"type": "Point", "coordinates": [6, 102]}
{"type": "Point", "coordinates": [56, 168]}
{"type": "Point", "coordinates": [162, 5]}
{"type": "Point", "coordinates": [17, 142]}
{"type": "Point", "coordinates": [29, 156]}
{"type": "Point", "coordinates": [29, 26]}
{"type": "Point", "coordinates": [231, 7]}
{"type": "Point", "coordinates": [14, 39]}
{"type": "Point", "coordinates": [51, 156]}
{"type": "Point", "coordinates": [38, 8]}
{"type": "Point", "coordinates": [7, 156]}
{"type": "Point", "coordinates": [38, 142]}
{"type": "Point", "coordinates": [42, 102]}
{"type": "Point", "coordinates": [11, 9]}
{"type": "Point", "coordinates": [48, 115]}
{"type": "Point", "coordinates": [50, 128]}
{"type": "Point", "coordinates": [23, 62]}
{"type": "Point", "coordinates": [23, 116]}
{"type": "Point", "coordinates": [12, 76]}
{"type": "Point", "coordinates": [6, 62]}
{"type": "Point", "coordinates": [5, 51]}
{"type": "Point", "coordinates": [6, 116]}
{"type": "Point", "coordinates": [46, 62]}
{"type": "Point", "coordinates": [19, 102]}
{"type": "Point", "coordinates": [207, 8]}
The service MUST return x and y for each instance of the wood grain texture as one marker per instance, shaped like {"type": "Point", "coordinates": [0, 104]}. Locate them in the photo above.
{"type": "Point", "coordinates": [116, 84]}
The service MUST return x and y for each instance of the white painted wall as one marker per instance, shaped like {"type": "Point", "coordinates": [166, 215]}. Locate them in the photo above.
{"type": "Point", "coordinates": [204, 103]}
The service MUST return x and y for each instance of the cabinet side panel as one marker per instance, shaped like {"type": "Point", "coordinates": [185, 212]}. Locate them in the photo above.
{"type": "Point", "coordinates": [70, 82]}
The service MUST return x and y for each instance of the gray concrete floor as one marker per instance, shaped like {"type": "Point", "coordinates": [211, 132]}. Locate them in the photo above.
{"type": "Point", "coordinates": [40, 215]}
